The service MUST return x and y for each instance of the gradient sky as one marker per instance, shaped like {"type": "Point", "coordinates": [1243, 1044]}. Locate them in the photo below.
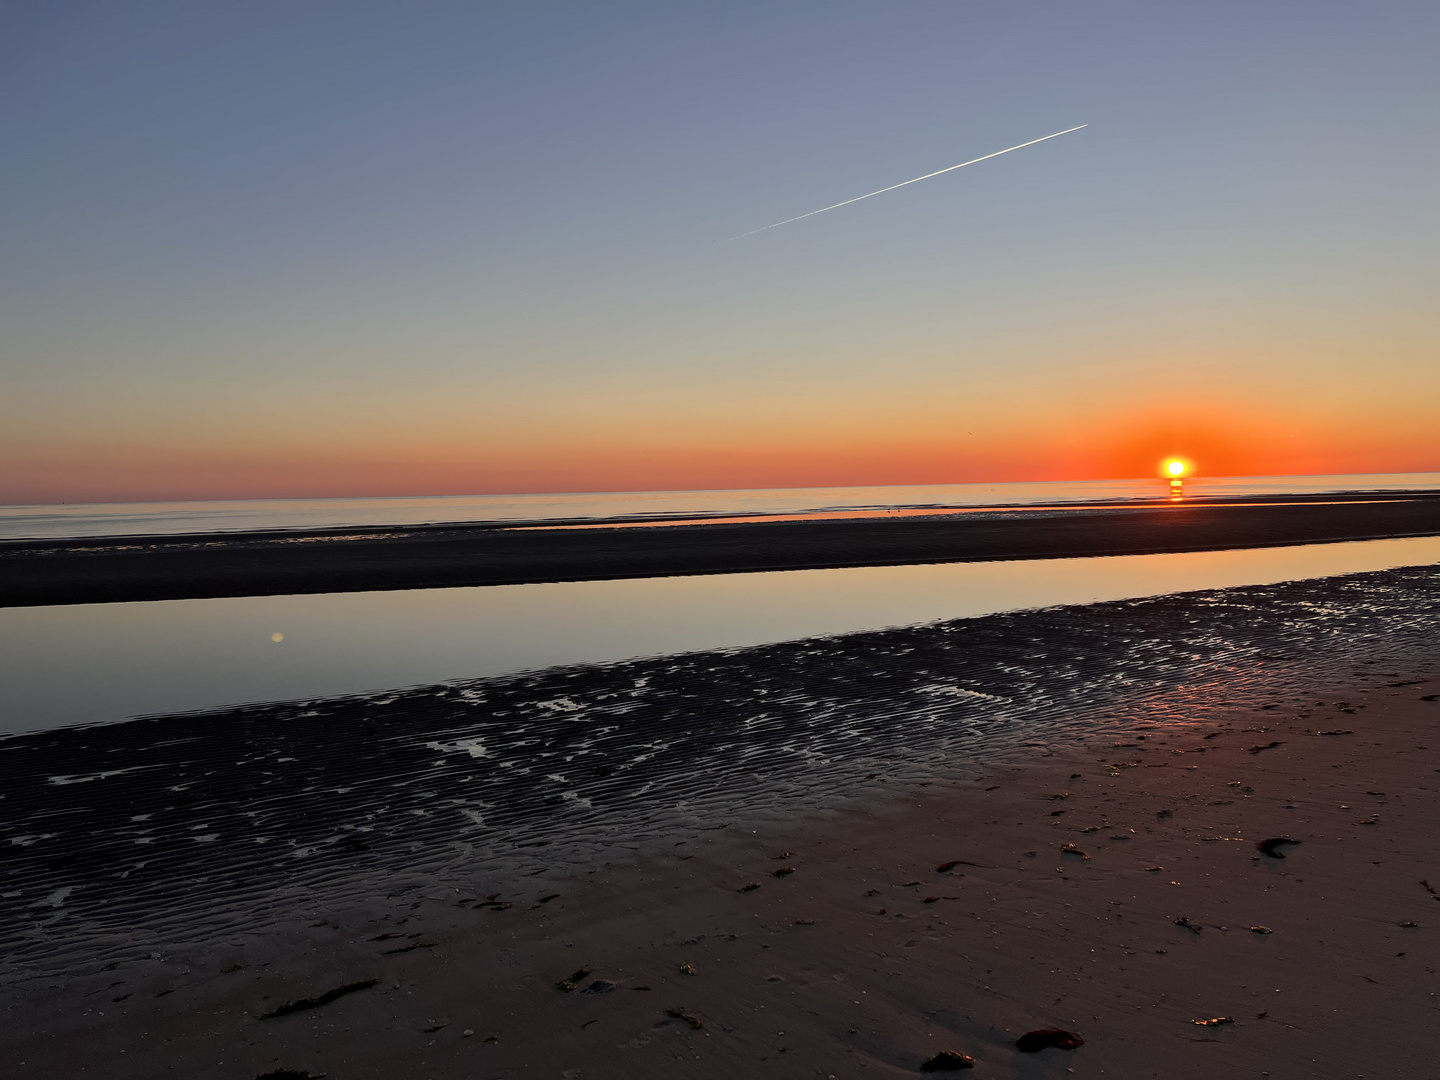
{"type": "Point", "coordinates": [352, 248]}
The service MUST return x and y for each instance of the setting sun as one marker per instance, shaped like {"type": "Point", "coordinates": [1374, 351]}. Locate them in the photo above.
{"type": "Point", "coordinates": [1175, 468]}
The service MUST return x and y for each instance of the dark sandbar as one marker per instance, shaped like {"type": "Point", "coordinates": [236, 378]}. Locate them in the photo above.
{"type": "Point", "coordinates": [260, 564]}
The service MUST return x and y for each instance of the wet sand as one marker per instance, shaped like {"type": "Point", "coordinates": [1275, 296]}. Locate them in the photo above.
{"type": "Point", "coordinates": [256, 564]}
{"type": "Point", "coordinates": [857, 955]}
{"type": "Point", "coordinates": [148, 929]}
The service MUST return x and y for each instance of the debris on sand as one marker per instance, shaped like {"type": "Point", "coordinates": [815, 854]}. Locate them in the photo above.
{"type": "Point", "coordinates": [411, 947]}
{"type": "Point", "coordinates": [1032, 1042]}
{"type": "Point", "coordinates": [948, 1061]}
{"type": "Point", "coordinates": [784, 871]}
{"type": "Point", "coordinates": [1266, 746]}
{"type": "Point", "coordinates": [1336, 731]}
{"type": "Point", "coordinates": [1261, 930]}
{"type": "Point", "coordinates": [1073, 849]}
{"type": "Point", "coordinates": [1429, 888]}
{"type": "Point", "coordinates": [301, 1004]}
{"type": "Point", "coordinates": [599, 986]}
{"type": "Point", "coordinates": [289, 1074]}
{"type": "Point", "coordinates": [688, 969]}
{"type": "Point", "coordinates": [1214, 1021]}
{"type": "Point", "coordinates": [1272, 846]}
{"type": "Point", "coordinates": [566, 986]}
{"type": "Point", "coordinates": [749, 888]}
{"type": "Point", "coordinates": [680, 1014]}
{"type": "Point", "coordinates": [1194, 928]}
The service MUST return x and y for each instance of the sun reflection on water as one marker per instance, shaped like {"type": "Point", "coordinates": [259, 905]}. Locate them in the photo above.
{"type": "Point", "coordinates": [1176, 469]}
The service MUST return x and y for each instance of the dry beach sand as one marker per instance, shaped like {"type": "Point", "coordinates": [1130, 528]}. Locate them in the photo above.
{"type": "Point", "coordinates": [858, 955]}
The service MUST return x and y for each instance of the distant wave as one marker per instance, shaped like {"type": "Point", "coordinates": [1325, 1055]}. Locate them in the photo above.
{"type": "Point", "coordinates": [174, 518]}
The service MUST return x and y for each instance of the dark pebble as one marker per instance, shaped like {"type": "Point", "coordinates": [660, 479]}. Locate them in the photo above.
{"type": "Point", "coordinates": [1271, 847]}
{"type": "Point", "coordinates": [1032, 1042]}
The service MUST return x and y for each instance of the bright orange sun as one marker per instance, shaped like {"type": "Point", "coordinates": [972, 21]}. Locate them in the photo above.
{"type": "Point", "coordinates": [1175, 468]}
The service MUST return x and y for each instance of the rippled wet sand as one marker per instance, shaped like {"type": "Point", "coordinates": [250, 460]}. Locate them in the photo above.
{"type": "Point", "coordinates": [123, 840]}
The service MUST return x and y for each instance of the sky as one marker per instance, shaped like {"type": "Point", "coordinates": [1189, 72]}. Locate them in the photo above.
{"type": "Point", "coordinates": [269, 249]}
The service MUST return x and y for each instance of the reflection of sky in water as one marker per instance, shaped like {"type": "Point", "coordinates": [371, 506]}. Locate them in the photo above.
{"type": "Point", "coordinates": [94, 662]}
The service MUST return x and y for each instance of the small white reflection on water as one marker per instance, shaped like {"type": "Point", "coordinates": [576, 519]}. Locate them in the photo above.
{"type": "Point", "coordinates": [98, 662]}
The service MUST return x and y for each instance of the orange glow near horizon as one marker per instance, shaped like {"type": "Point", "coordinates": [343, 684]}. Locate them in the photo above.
{"type": "Point", "coordinates": [439, 450]}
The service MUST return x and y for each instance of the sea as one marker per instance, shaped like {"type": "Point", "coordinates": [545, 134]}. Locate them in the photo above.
{"type": "Point", "coordinates": [282, 515]}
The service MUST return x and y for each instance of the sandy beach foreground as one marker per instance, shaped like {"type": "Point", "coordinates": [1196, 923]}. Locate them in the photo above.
{"type": "Point", "coordinates": [830, 858]}
{"type": "Point", "coordinates": [1113, 890]}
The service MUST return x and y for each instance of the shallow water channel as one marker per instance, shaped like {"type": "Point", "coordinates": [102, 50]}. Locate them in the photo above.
{"type": "Point", "coordinates": [104, 662]}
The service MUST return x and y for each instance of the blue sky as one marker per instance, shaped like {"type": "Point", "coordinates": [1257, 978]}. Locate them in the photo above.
{"type": "Point", "coordinates": [383, 248]}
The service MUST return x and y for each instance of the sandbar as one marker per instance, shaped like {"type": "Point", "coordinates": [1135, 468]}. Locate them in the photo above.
{"type": "Point", "coordinates": [112, 570]}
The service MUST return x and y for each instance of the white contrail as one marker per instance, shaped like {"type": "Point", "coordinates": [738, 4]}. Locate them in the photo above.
{"type": "Point", "coordinates": [892, 187]}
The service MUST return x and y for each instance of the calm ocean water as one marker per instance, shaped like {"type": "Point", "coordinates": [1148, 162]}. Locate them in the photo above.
{"type": "Point", "coordinates": [170, 518]}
